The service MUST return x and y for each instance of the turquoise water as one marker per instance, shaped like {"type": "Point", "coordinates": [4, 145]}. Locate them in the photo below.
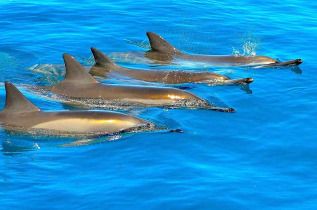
{"type": "Point", "coordinates": [261, 157]}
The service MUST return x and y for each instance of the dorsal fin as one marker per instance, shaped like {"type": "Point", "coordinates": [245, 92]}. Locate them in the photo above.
{"type": "Point", "coordinates": [16, 101]}
{"type": "Point", "coordinates": [158, 44]}
{"type": "Point", "coordinates": [102, 60]}
{"type": "Point", "coordinates": [75, 72]}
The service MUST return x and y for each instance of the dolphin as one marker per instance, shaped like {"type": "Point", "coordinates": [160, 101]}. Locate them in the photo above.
{"type": "Point", "coordinates": [79, 84]}
{"type": "Point", "coordinates": [163, 51]}
{"type": "Point", "coordinates": [104, 65]}
{"type": "Point", "coordinates": [20, 114]}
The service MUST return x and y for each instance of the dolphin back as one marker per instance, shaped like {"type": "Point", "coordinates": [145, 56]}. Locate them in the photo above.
{"type": "Point", "coordinates": [75, 72]}
{"type": "Point", "coordinates": [102, 60]}
{"type": "Point", "coordinates": [16, 101]}
{"type": "Point", "coordinates": [158, 44]}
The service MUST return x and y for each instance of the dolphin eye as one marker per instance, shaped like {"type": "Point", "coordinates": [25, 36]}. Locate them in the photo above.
{"type": "Point", "coordinates": [175, 97]}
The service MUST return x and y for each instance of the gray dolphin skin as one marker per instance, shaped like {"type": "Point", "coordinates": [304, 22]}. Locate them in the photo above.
{"type": "Point", "coordinates": [163, 51]}
{"type": "Point", "coordinates": [79, 84]}
{"type": "Point", "coordinates": [103, 66]}
{"type": "Point", "coordinates": [19, 112]}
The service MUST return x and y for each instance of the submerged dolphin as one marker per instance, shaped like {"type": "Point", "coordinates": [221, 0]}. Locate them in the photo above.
{"type": "Point", "coordinates": [103, 65]}
{"type": "Point", "coordinates": [164, 51]}
{"type": "Point", "coordinates": [79, 84]}
{"type": "Point", "coordinates": [20, 113]}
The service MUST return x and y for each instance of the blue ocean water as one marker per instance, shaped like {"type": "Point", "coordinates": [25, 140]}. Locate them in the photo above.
{"type": "Point", "coordinates": [261, 157]}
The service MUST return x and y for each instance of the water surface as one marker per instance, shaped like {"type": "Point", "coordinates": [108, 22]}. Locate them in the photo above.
{"type": "Point", "coordinates": [261, 157]}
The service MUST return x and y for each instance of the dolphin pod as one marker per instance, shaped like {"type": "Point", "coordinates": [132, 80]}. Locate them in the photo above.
{"type": "Point", "coordinates": [163, 51]}
{"type": "Point", "coordinates": [104, 65]}
{"type": "Point", "coordinates": [79, 84]}
{"type": "Point", "coordinates": [20, 113]}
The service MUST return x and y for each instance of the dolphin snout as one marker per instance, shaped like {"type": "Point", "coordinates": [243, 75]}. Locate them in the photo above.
{"type": "Point", "coordinates": [239, 81]}
{"type": "Point", "coordinates": [221, 109]}
{"type": "Point", "coordinates": [298, 61]}
{"type": "Point", "coordinates": [231, 110]}
{"type": "Point", "coordinates": [248, 80]}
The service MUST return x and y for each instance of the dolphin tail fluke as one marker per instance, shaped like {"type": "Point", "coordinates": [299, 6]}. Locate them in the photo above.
{"type": "Point", "coordinates": [75, 72]}
{"type": "Point", "coordinates": [159, 44]}
{"type": "Point", "coordinates": [16, 101]}
{"type": "Point", "coordinates": [101, 60]}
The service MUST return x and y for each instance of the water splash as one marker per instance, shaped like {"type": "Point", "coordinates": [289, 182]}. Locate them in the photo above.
{"type": "Point", "coordinates": [249, 47]}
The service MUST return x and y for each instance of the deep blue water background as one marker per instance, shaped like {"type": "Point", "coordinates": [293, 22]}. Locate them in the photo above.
{"type": "Point", "coordinates": [261, 157]}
